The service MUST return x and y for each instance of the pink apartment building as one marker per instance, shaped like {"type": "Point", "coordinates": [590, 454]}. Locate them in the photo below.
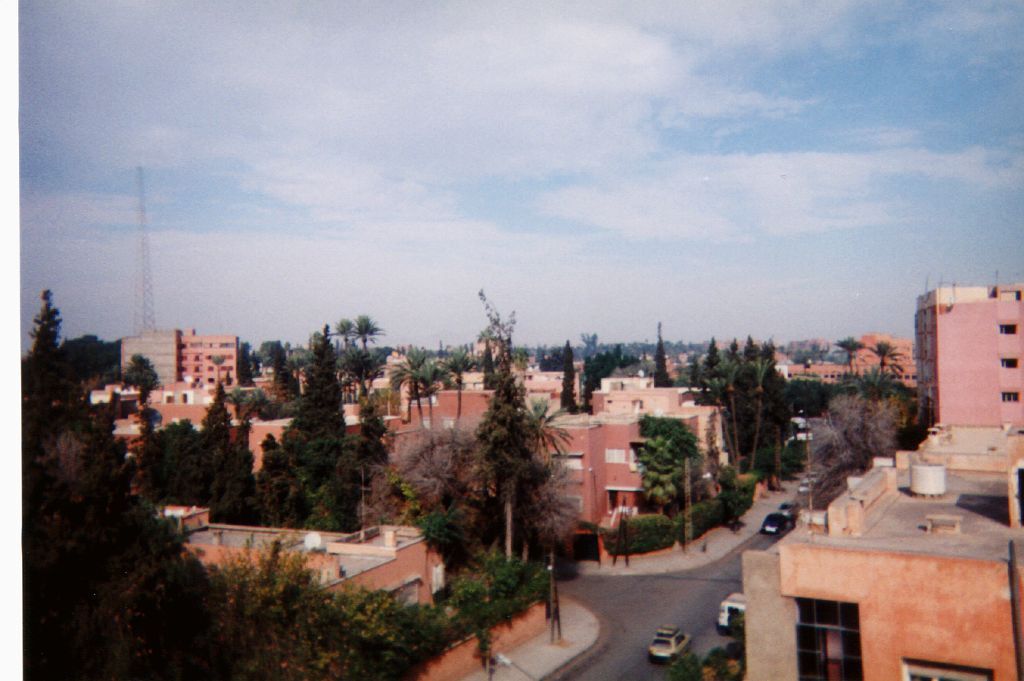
{"type": "Point", "coordinates": [180, 356]}
{"type": "Point", "coordinates": [970, 342]}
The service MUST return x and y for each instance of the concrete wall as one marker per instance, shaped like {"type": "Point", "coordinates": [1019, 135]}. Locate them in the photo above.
{"type": "Point", "coordinates": [770, 620]}
{"type": "Point", "coordinates": [925, 607]}
{"type": "Point", "coordinates": [159, 347]}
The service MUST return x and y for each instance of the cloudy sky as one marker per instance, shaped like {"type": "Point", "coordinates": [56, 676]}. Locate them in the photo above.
{"type": "Point", "coordinates": [783, 169]}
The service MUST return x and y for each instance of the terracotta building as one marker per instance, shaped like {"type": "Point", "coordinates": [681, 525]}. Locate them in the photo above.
{"type": "Point", "coordinates": [970, 344]}
{"type": "Point", "coordinates": [906, 579]}
{"type": "Point", "coordinates": [185, 357]}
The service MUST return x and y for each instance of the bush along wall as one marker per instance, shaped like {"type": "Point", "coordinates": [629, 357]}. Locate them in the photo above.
{"type": "Point", "coordinates": [646, 533]}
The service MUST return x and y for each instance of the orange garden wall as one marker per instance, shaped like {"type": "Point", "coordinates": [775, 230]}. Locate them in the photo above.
{"type": "Point", "coordinates": [926, 607]}
{"type": "Point", "coordinates": [463, 658]}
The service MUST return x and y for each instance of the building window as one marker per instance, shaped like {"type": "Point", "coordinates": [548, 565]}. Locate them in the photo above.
{"type": "Point", "coordinates": [572, 461]}
{"type": "Point", "coordinates": [919, 670]}
{"type": "Point", "coordinates": [615, 456]}
{"type": "Point", "coordinates": [1009, 362]}
{"type": "Point", "coordinates": [828, 641]}
{"type": "Point", "coordinates": [1008, 329]}
{"type": "Point", "coordinates": [1011, 397]}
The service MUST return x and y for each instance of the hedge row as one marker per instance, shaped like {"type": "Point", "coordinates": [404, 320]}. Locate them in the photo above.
{"type": "Point", "coordinates": [654, 532]}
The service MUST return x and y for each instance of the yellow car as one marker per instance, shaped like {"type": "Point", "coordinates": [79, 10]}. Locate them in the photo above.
{"type": "Point", "coordinates": [668, 644]}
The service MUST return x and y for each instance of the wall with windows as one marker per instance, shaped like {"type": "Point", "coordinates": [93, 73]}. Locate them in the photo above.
{"type": "Point", "coordinates": [945, 610]}
{"type": "Point", "coordinates": [970, 344]}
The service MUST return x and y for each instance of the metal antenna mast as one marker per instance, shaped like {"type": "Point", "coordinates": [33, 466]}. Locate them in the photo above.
{"type": "Point", "coordinates": [145, 318]}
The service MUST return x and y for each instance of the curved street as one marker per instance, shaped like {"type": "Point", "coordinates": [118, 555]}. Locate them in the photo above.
{"type": "Point", "coordinates": [631, 607]}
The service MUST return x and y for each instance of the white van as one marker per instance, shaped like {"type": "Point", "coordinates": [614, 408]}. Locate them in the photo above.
{"type": "Point", "coordinates": [733, 604]}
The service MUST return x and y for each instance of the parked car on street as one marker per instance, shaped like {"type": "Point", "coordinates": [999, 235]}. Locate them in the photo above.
{"type": "Point", "coordinates": [790, 509]}
{"type": "Point", "coordinates": [776, 523]}
{"type": "Point", "coordinates": [733, 605]}
{"type": "Point", "coordinates": [668, 644]}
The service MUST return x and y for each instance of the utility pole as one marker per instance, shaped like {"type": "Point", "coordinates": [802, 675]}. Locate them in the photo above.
{"type": "Point", "coordinates": [687, 499]}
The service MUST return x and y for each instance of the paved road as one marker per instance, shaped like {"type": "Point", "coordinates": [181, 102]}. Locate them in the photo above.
{"type": "Point", "coordinates": [632, 607]}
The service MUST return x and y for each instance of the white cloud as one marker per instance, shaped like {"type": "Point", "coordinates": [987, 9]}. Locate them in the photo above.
{"type": "Point", "coordinates": [739, 196]}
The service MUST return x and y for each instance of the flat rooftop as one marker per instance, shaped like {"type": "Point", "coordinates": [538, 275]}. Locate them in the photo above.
{"type": "Point", "coordinates": [899, 523]}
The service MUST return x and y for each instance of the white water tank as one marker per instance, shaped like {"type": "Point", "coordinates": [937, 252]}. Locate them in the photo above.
{"type": "Point", "coordinates": [928, 479]}
{"type": "Point", "coordinates": [313, 541]}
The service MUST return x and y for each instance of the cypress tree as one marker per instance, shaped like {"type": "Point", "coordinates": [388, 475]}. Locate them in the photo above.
{"type": "Point", "coordinates": [568, 380]}
{"type": "Point", "coordinates": [244, 364]}
{"type": "Point", "coordinates": [490, 381]}
{"type": "Point", "coordinates": [319, 413]}
{"type": "Point", "coordinates": [661, 379]}
{"type": "Point", "coordinates": [233, 487]}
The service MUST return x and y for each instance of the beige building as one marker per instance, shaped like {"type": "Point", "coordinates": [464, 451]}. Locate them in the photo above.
{"type": "Point", "coordinates": [907, 579]}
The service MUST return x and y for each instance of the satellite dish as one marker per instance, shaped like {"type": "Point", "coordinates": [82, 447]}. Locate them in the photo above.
{"type": "Point", "coordinates": [313, 540]}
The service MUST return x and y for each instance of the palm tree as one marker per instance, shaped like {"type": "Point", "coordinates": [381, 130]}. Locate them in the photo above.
{"type": "Point", "coordinates": [346, 331]}
{"type": "Point", "coordinates": [405, 375]}
{"type": "Point", "coordinates": [887, 353]}
{"type": "Point", "coordinates": [850, 346]}
{"type": "Point", "coordinates": [731, 373]}
{"type": "Point", "coordinates": [717, 391]}
{"type": "Point", "coordinates": [366, 330]}
{"type": "Point", "coordinates": [875, 385]}
{"type": "Point", "coordinates": [430, 376]}
{"type": "Point", "coordinates": [546, 436]}
{"type": "Point", "coordinates": [360, 367]}
{"type": "Point", "coordinates": [458, 364]}
{"type": "Point", "coordinates": [217, 360]}
{"type": "Point", "coordinates": [762, 367]}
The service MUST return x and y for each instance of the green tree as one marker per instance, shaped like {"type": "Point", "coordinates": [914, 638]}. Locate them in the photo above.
{"type": "Point", "coordinates": [279, 494]}
{"type": "Point", "coordinates": [346, 331]}
{"type": "Point", "coordinates": [187, 467]}
{"type": "Point", "coordinates": [431, 376]}
{"type": "Point", "coordinates": [319, 412]}
{"type": "Point", "coordinates": [140, 374]}
{"type": "Point", "coordinates": [488, 367]}
{"type": "Point", "coordinates": [888, 356]}
{"type": "Point", "coordinates": [661, 377]}
{"type": "Point", "coordinates": [232, 488]}
{"type": "Point", "coordinates": [108, 591]}
{"type": "Point", "coordinates": [93, 360]}
{"type": "Point", "coordinates": [668, 444]}
{"type": "Point", "coordinates": [568, 380]}
{"type": "Point", "coordinates": [458, 364]}
{"type": "Point", "coordinates": [245, 364]}
{"type": "Point", "coordinates": [506, 449]}
{"type": "Point", "coordinates": [366, 330]}
{"type": "Point", "coordinates": [406, 375]}
{"type": "Point", "coordinates": [850, 346]}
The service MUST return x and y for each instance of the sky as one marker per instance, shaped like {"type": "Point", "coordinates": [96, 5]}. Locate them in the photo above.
{"type": "Point", "coordinates": [786, 170]}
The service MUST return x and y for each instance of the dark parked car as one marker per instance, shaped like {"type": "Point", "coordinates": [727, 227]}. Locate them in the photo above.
{"type": "Point", "coordinates": [775, 523]}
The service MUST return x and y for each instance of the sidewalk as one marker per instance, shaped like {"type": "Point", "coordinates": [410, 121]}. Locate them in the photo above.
{"type": "Point", "coordinates": [537, 658]}
{"type": "Point", "coordinates": [714, 545]}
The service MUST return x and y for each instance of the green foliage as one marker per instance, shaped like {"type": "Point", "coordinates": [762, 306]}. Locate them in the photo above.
{"type": "Point", "coordinates": [186, 471]}
{"type": "Point", "coordinates": [93, 359]}
{"type": "Point", "coordinates": [232, 489]}
{"type": "Point", "coordinates": [645, 533]}
{"type": "Point", "coordinates": [601, 366]}
{"type": "Point", "coordinates": [319, 413]}
{"type": "Point", "coordinates": [495, 591]}
{"type": "Point", "coordinates": [705, 515]}
{"type": "Point", "coordinates": [279, 494]}
{"type": "Point", "coordinates": [669, 443]}
{"type": "Point", "coordinates": [488, 367]}
{"type": "Point", "coordinates": [444, 532]}
{"type": "Point", "coordinates": [568, 398]}
{"type": "Point", "coordinates": [737, 496]}
{"type": "Point", "coordinates": [245, 362]}
{"type": "Point", "coordinates": [661, 377]}
{"type": "Point", "coordinates": [141, 374]}
{"type": "Point", "coordinates": [276, 622]}
{"type": "Point", "coordinates": [808, 396]}
{"type": "Point", "coordinates": [686, 668]}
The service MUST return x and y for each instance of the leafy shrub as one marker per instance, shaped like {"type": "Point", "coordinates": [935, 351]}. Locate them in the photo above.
{"type": "Point", "coordinates": [705, 515]}
{"type": "Point", "coordinates": [646, 533]}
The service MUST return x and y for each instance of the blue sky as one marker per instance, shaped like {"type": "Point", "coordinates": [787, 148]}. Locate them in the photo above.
{"type": "Point", "coordinates": [783, 169]}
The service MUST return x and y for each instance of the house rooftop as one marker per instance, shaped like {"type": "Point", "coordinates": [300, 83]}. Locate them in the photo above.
{"type": "Point", "coordinates": [969, 520]}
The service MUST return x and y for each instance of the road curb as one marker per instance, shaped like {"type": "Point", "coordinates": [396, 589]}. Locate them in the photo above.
{"type": "Point", "coordinates": [580, 660]}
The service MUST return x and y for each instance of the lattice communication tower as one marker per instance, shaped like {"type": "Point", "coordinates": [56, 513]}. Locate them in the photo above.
{"type": "Point", "coordinates": [145, 318]}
